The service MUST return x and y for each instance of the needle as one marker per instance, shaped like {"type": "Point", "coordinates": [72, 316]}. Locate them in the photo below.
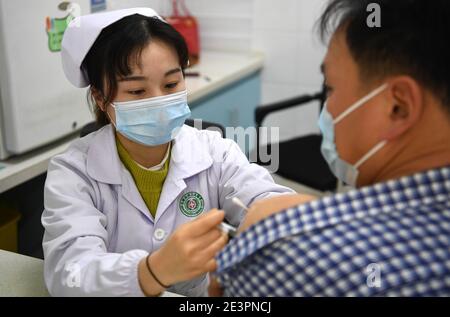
{"type": "Point", "coordinates": [238, 202]}
{"type": "Point", "coordinates": [226, 228]}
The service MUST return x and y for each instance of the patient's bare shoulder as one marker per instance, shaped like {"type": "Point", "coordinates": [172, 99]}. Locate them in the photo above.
{"type": "Point", "coordinates": [267, 207]}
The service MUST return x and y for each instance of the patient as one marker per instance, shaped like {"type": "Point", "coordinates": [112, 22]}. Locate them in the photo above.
{"type": "Point", "coordinates": [386, 128]}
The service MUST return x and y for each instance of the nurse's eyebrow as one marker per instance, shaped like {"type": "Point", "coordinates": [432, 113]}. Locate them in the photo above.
{"type": "Point", "coordinates": [172, 71]}
{"type": "Point", "coordinates": [142, 78]}
{"type": "Point", "coordinates": [133, 78]}
{"type": "Point", "coordinates": [322, 68]}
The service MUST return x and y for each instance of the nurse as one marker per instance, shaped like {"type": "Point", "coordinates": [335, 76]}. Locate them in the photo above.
{"type": "Point", "coordinates": [132, 209]}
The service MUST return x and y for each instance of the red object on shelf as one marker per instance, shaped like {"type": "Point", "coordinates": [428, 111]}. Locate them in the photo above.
{"type": "Point", "coordinates": [188, 27]}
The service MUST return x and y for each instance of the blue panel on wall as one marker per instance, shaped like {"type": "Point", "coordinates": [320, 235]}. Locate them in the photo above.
{"type": "Point", "coordinates": [233, 106]}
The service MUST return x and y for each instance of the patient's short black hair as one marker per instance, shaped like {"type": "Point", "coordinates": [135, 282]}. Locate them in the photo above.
{"type": "Point", "coordinates": [413, 40]}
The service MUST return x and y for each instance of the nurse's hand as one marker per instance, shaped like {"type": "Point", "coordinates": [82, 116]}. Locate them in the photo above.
{"type": "Point", "coordinates": [190, 250]}
{"type": "Point", "coordinates": [267, 207]}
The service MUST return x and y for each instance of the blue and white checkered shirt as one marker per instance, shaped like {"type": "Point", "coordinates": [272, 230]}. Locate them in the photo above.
{"type": "Point", "coordinates": [390, 239]}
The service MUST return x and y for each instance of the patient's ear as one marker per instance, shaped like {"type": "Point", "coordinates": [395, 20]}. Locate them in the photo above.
{"type": "Point", "coordinates": [406, 102]}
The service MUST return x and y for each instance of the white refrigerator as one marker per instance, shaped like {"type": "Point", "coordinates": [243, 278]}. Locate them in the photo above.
{"type": "Point", "coordinates": [37, 103]}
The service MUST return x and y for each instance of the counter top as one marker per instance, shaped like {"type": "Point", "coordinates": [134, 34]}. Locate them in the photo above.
{"type": "Point", "coordinates": [215, 71]}
{"type": "Point", "coordinates": [23, 276]}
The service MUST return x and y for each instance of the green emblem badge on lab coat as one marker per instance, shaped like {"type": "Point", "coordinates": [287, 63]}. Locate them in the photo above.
{"type": "Point", "coordinates": [192, 204]}
{"type": "Point", "coordinates": [55, 31]}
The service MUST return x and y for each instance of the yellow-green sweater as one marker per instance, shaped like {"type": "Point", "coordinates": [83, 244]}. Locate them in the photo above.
{"type": "Point", "coordinates": [149, 183]}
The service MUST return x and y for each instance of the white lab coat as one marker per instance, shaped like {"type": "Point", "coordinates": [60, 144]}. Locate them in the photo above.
{"type": "Point", "coordinates": [98, 228]}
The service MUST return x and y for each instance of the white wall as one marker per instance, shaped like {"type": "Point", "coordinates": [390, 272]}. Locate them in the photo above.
{"type": "Point", "coordinates": [123, 4]}
{"type": "Point", "coordinates": [282, 29]}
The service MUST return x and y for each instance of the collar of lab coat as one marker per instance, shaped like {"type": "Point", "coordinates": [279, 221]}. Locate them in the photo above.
{"type": "Point", "coordinates": [190, 155]}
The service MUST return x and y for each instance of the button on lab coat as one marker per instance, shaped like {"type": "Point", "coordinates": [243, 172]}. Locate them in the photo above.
{"type": "Point", "coordinates": [98, 228]}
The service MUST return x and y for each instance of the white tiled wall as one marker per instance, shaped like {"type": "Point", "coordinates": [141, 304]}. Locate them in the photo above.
{"type": "Point", "coordinates": [225, 24]}
{"type": "Point", "coordinates": [282, 29]}
{"type": "Point", "coordinates": [123, 4]}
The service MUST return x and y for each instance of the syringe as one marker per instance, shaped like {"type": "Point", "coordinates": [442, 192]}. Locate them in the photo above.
{"type": "Point", "coordinates": [227, 228]}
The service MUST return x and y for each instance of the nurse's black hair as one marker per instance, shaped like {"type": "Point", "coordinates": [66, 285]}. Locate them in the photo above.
{"type": "Point", "coordinates": [119, 46]}
{"type": "Point", "coordinates": [413, 40]}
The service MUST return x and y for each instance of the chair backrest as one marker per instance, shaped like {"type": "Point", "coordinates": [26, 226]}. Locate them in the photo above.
{"type": "Point", "coordinates": [300, 157]}
{"type": "Point", "coordinates": [195, 123]}
{"type": "Point", "coordinates": [262, 111]}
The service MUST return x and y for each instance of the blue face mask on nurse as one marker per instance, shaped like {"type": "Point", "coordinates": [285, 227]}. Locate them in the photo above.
{"type": "Point", "coordinates": [153, 121]}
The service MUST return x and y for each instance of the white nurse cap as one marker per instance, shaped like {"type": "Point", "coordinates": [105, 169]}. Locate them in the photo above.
{"type": "Point", "coordinates": [81, 34]}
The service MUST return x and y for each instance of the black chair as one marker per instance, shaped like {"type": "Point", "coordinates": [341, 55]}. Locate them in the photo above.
{"type": "Point", "coordinates": [300, 159]}
{"type": "Point", "coordinates": [93, 126]}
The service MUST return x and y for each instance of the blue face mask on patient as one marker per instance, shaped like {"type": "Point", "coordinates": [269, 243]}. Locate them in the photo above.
{"type": "Point", "coordinates": [152, 121]}
{"type": "Point", "coordinates": [344, 171]}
